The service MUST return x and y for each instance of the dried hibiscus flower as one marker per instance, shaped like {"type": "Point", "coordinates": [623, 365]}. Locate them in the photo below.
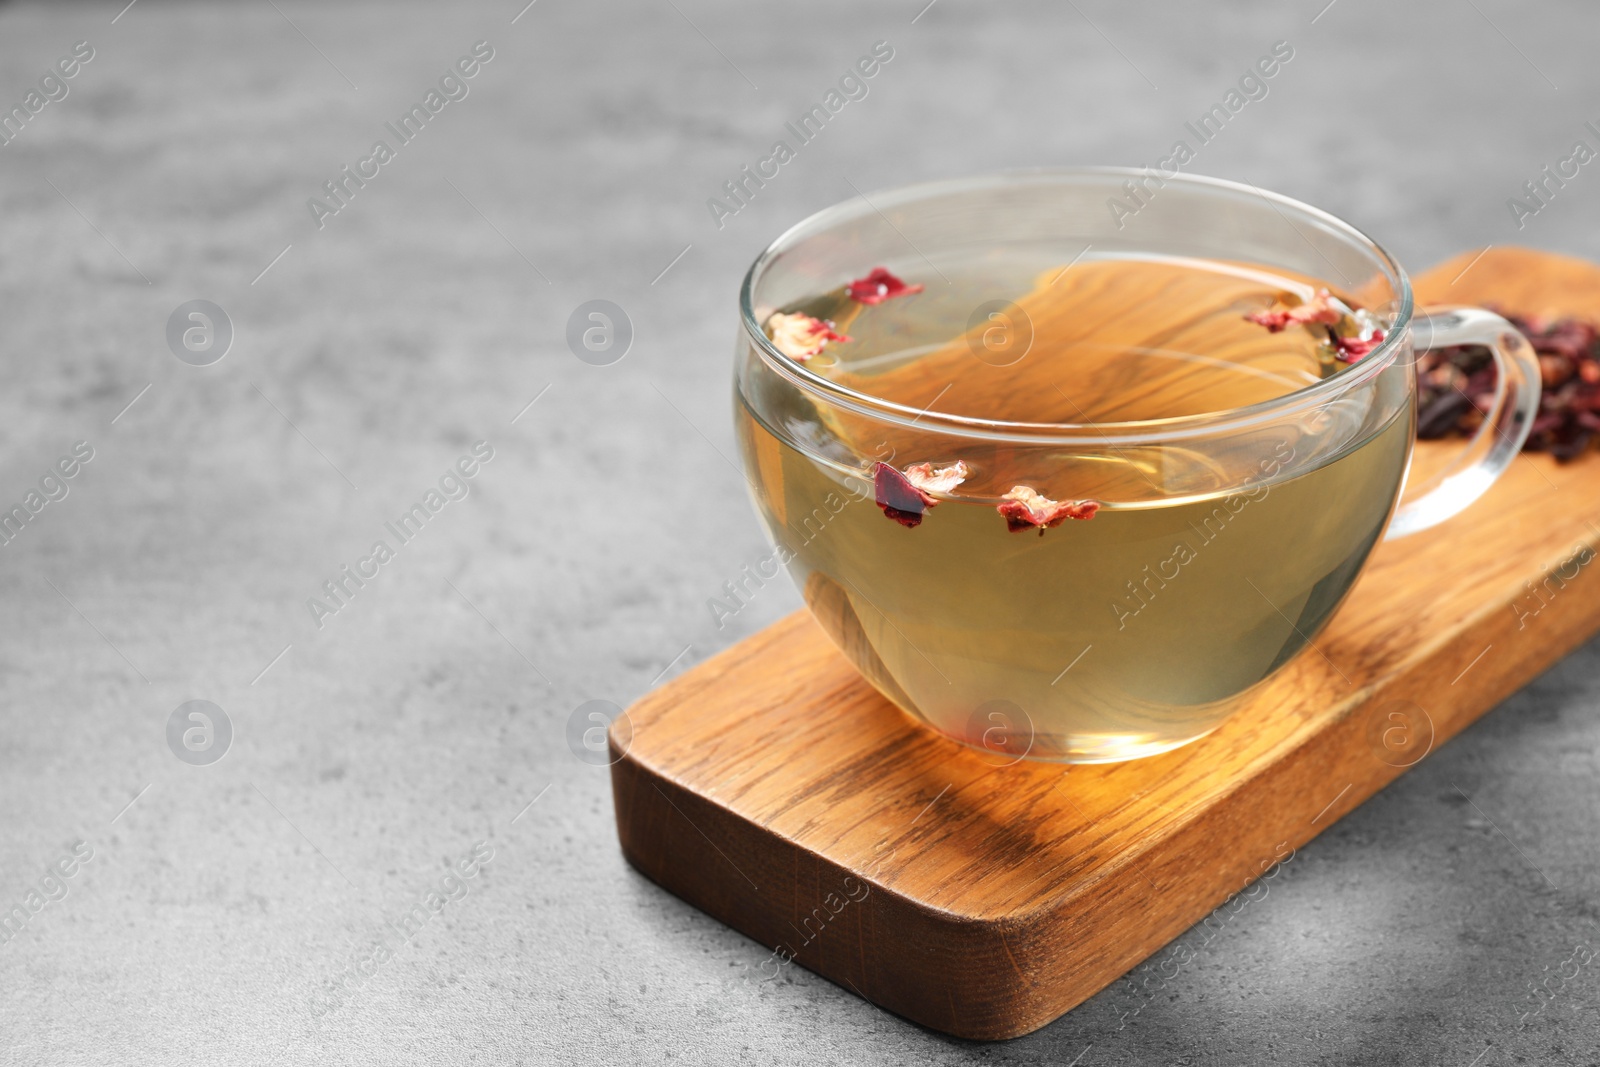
{"type": "Point", "coordinates": [1329, 311]}
{"type": "Point", "coordinates": [1025, 509]}
{"type": "Point", "coordinates": [1352, 349]}
{"type": "Point", "coordinates": [924, 477]}
{"type": "Point", "coordinates": [1319, 308]}
{"type": "Point", "coordinates": [800, 336]}
{"type": "Point", "coordinates": [904, 497]}
{"type": "Point", "coordinates": [879, 285]}
{"type": "Point", "coordinates": [1456, 385]}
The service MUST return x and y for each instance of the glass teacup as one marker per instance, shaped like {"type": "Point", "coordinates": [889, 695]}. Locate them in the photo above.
{"type": "Point", "coordinates": [1090, 475]}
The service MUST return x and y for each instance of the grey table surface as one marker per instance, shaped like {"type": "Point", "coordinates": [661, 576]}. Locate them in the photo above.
{"type": "Point", "coordinates": [375, 748]}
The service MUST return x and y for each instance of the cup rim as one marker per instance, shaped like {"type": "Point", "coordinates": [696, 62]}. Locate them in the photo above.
{"type": "Point", "coordinates": [1140, 431]}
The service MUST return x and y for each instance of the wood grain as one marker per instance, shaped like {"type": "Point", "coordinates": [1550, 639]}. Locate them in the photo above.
{"type": "Point", "coordinates": [776, 790]}
{"type": "Point", "coordinates": [1077, 367]}
{"type": "Point", "coordinates": [1089, 324]}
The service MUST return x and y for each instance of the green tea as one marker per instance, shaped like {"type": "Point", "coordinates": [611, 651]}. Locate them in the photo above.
{"type": "Point", "coordinates": [1121, 635]}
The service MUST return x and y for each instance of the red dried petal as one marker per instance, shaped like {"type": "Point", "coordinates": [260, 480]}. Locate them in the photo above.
{"type": "Point", "coordinates": [1024, 509]}
{"type": "Point", "coordinates": [898, 496]}
{"type": "Point", "coordinates": [1352, 349]}
{"type": "Point", "coordinates": [801, 336]}
{"type": "Point", "coordinates": [1318, 309]}
{"type": "Point", "coordinates": [1274, 319]}
{"type": "Point", "coordinates": [1553, 370]}
{"type": "Point", "coordinates": [879, 285]}
{"type": "Point", "coordinates": [1567, 337]}
{"type": "Point", "coordinates": [1569, 405]}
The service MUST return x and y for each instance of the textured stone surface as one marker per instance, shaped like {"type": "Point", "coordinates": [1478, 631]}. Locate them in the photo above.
{"type": "Point", "coordinates": [425, 715]}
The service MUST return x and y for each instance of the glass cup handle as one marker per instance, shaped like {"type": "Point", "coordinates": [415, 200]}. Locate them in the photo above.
{"type": "Point", "coordinates": [1505, 427]}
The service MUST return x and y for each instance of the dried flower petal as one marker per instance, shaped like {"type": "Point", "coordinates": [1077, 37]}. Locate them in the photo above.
{"type": "Point", "coordinates": [1024, 508]}
{"type": "Point", "coordinates": [904, 497]}
{"type": "Point", "coordinates": [1567, 338]}
{"type": "Point", "coordinates": [879, 285]}
{"type": "Point", "coordinates": [800, 336]}
{"type": "Point", "coordinates": [1455, 386]}
{"type": "Point", "coordinates": [1319, 308]}
{"type": "Point", "coordinates": [1352, 349]}
{"type": "Point", "coordinates": [1274, 318]}
{"type": "Point", "coordinates": [899, 496]}
{"type": "Point", "coordinates": [1553, 370]}
{"type": "Point", "coordinates": [924, 477]}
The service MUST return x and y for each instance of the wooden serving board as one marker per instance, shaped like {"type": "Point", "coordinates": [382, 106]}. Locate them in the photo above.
{"type": "Point", "coordinates": [775, 789]}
